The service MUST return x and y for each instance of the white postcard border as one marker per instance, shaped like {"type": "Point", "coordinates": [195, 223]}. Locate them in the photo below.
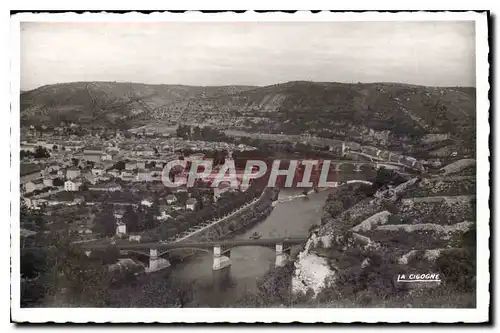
{"type": "Point", "coordinates": [266, 315]}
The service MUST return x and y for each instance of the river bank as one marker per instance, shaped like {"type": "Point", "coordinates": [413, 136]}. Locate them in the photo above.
{"type": "Point", "coordinates": [193, 283]}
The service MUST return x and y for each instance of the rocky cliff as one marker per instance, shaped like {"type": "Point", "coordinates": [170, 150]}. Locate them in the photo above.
{"type": "Point", "coordinates": [357, 254]}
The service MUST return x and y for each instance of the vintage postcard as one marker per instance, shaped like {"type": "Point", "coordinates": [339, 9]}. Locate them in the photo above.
{"type": "Point", "coordinates": [252, 167]}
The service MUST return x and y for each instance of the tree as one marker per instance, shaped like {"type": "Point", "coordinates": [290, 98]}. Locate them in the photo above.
{"type": "Point", "coordinates": [131, 219]}
{"type": "Point", "coordinates": [105, 221]}
{"type": "Point", "coordinates": [275, 286]}
{"type": "Point", "coordinates": [120, 165]}
{"type": "Point", "coordinates": [383, 178]}
{"type": "Point", "coordinates": [106, 256]}
{"type": "Point", "coordinates": [150, 221]}
{"type": "Point", "coordinates": [459, 269]}
{"type": "Point", "coordinates": [38, 219]}
{"type": "Point", "coordinates": [85, 281]}
{"type": "Point", "coordinates": [54, 147]}
{"type": "Point", "coordinates": [58, 182]}
{"type": "Point", "coordinates": [334, 207]}
{"type": "Point", "coordinates": [41, 152]}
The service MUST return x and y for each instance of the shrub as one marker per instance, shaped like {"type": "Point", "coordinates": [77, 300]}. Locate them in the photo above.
{"type": "Point", "coordinates": [394, 219]}
{"type": "Point", "coordinates": [377, 278]}
{"type": "Point", "coordinates": [458, 268]}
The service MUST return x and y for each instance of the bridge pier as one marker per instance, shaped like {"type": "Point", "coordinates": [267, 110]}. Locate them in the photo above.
{"type": "Point", "coordinates": [220, 261]}
{"type": "Point", "coordinates": [281, 255]}
{"type": "Point", "coordinates": [155, 262]}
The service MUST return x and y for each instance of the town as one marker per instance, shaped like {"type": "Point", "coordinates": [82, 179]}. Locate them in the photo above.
{"type": "Point", "coordinates": [110, 182]}
{"type": "Point", "coordinates": [174, 183]}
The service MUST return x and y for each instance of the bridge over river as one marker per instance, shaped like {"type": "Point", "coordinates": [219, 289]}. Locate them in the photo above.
{"type": "Point", "coordinates": [221, 249]}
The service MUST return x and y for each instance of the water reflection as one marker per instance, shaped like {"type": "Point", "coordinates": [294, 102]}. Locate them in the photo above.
{"type": "Point", "coordinates": [290, 218]}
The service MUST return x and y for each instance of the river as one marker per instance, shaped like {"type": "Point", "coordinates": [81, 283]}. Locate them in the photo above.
{"type": "Point", "coordinates": [288, 219]}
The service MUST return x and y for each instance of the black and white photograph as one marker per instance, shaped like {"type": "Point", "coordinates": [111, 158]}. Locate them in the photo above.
{"type": "Point", "coordinates": [223, 167]}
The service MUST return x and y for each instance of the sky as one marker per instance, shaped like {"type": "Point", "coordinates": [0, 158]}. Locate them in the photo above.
{"type": "Point", "coordinates": [248, 53]}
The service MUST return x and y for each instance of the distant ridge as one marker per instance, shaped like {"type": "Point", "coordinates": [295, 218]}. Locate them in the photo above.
{"type": "Point", "coordinates": [390, 110]}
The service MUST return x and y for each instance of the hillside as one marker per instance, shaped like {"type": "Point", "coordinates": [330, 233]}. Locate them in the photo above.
{"type": "Point", "coordinates": [387, 114]}
{"type": "Point", "coordinates": [424, 225]}
{"type": "Point", "coordinates": [107, 102]}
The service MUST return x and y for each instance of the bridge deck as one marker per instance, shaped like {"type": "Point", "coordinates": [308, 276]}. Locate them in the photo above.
{"type": "Point", "coordinates": [180, 245]}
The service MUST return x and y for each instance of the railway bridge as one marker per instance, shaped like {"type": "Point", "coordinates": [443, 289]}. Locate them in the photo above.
{"type": "Point", "coordinates": [357, 165]}
{"type": "Point", "coordinates": [221, 249]}
{"type": "Point", "coordinates": [337, 164]}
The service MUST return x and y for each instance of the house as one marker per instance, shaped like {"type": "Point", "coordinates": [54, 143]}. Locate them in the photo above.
{"type": "Point", "coordinates": [30, 148]}
{"type": "Point", "coordinates": [78, 200]}
{"type": "Point", "coordinates": [134, 238]}
{"type": "Point", "coordinates": [155, 173]}
{"type": "Point", "coordinates": [92, 157]}
{"type": "Point", "coordinates": [106, 157]}
{"type": "Point", "coordinates": [93, 150]}
{"type": "Point", "coordinates": [26, 232]}
{"type": "Point", "coordinates": [128, 177]}
{"type": "Point", "coordinates": [72, 173]}
{"type": "Point", "coordinates": [34, 185]}
{"type": "Point", "coordinates": [61, 173]}
{"type": "Point", "coordinates": [114, 172]}
{"type": "Point", "coordinates": [98, 170]}
{"type": "Point", "coordinates": [121, 229]}
{"type": "Point", "coordinates": [222, 188]}
{"type": "Point", "coordinates": [418, 165]}
{"type": "Point", "coordinates": [143, 175]}
{"type": "Point", "coordinates": [126, 173]}
{"type": "Point", "coordinates": [395, 158]}
{"type": "Point", "coordinates": [191, 204]}
{"type": "Point", "coordinates": [104, 178]}
{"type": "Point", "coordinates": [370, 150]}
{"type": "Point", "coordinates": [353, 146]}
{"type": "Point", "coordinates": [147, 202]}
{"type": "Point", "coordinates": [145, 152]}
{"type": "Point", "coordinates": [48, 182]}
{"type": "Point", "coordinates": [181, 178]}
{"type": "Point", "coordinates": [167, 158]}
{"type": "Point", "coordinates": [170, 199]}
{"type": "Point", "coordinates": [196, 157]}
{"type": "Point", "coordinates": [71, 185]}
{"type": "Point", "coordinates": [130, 165]}
{"type": "Point", "coordinates": [54, 166]}
{"type": "Point", "coordinates": [118, 213]}
{"type": "Point", "coordinates": [34, 203]}
{"type": "Point", "coordinates": [410, 161]}
{"type": "Point", "coordinates": [89, 177]}
{"type": "Point", "coordinates": [384, 154]}
{"type": "Point", "coordinates": [141, 165]}
{"type": "Point", "coordinates": [29, 202]}
{"type": "Point", "coordinates": [163, 216]}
